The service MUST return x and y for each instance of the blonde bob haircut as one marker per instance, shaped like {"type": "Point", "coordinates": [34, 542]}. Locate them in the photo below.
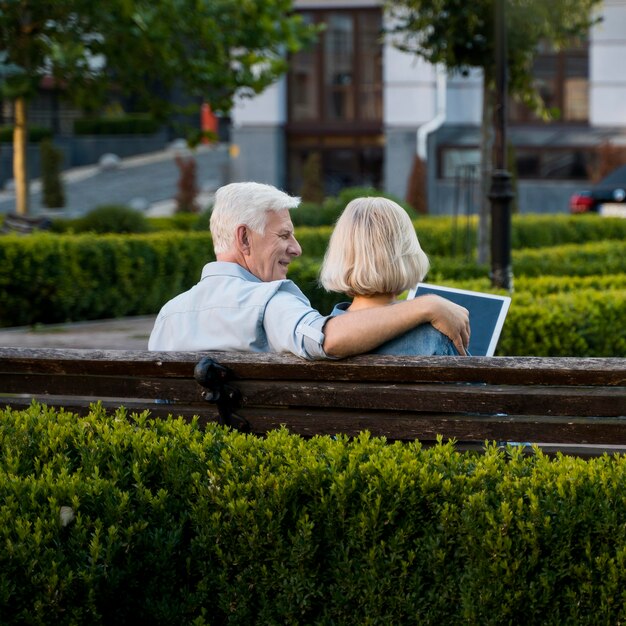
{"type": "Point", "coordinates": [373, 250]}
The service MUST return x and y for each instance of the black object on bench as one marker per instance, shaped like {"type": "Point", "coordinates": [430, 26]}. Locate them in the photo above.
{"type": "Point", "coordinates": [576, 405]}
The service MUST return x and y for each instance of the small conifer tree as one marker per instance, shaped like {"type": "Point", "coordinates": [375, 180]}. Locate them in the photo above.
{"type": "Point", "coordinates": [312, 186]}
{"type": "Point", "coordinates": [186, 198]}
{"type": "Point", "coordinates": [52, 185]}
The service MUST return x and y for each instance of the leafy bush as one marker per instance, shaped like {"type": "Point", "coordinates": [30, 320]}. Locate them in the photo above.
{"type": "Point", "coordinates": [49, 279]}
{"type": "Point", "coordinates": [52, 185]}
{"type": "Point", "coordinates": [327, 212]}
{"type": "Point", "coordinates": [123, 520]}
{"type": "Point", "coordinates": [35, 133]}
{"type": "Point", "coordinates": [130, 124]}
{"type": "Point", "coordinates": [112, 218]}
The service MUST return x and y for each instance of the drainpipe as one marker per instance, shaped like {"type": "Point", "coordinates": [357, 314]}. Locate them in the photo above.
{"type": "Point", "coordinates": [440, 115]}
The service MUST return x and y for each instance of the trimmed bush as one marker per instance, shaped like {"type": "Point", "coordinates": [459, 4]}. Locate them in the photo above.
{"type": "Point", "coordinates": [123, 520]}
{"type": "Point", "coordinates": [52, 185]}
{"type": "Point", "coordinates": [130, 124]}
{"type": "Point", "coordinates": [48, 278]}
{"type": "Point", "coordinates": [112, 218]}
{"type": "Point", "coordinates": [35, 133]}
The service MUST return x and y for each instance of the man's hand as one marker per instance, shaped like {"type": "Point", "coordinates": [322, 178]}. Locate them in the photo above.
{"type": "Point", "coordinates": [452, 320]}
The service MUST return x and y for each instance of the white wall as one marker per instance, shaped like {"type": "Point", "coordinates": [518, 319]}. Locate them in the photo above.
{"type": "Point", "coordinates": [465, 98]}
{"type": "Point", "coordinates": [607, 67]}
{"type": "Point", "coordinates": [267, 109]}
{"type": "Point", "coordinates": [409, 89]}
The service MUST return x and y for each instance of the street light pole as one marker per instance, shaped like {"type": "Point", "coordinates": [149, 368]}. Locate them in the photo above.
{"type": "Point", "coordinates": [501, 192]}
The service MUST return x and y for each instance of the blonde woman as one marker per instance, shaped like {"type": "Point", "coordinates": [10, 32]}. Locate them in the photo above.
{"type": "Point", "coordinates": [374, 255]}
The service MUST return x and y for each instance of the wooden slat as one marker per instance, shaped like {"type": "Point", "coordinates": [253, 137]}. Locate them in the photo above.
{"type": "Point", "coordinates": [174, 389]}
{"type": "Point", "coordinates": [568, 401]}
{"type": "Point", "coordinates": [427, 426]}
{"type": "Point", "coordinates": [560, 401]}
{"type": "Point", "coordinates": [492, 370]}
{"type": "Point", "coordinates": [442, 398]}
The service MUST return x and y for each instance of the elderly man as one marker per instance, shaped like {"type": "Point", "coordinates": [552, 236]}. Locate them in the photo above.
{"type": "Point", "coordinates": [244, 301]}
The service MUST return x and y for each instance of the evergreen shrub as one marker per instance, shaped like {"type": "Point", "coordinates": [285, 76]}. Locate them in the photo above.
{"type": "Point", "coordinates": [51, 165]}
{"type": "Point", "coordinates": [123, 520]}
{"type": "Point", "coordinates": [35, 133]}
{"type": "Point", "coordinates": [129, 124]}
{"type": "Point", "coordinates": [326, 213]}
{"type": "Point", "coordinates": [112, 218]}
{"type": "Point", "coordinates": [46, 278]}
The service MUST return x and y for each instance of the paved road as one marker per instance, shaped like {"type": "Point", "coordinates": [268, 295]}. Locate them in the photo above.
{"type": "Point", "coordinates": [130, 333]}
{"type": "Point", "coordinates": [148, 182]}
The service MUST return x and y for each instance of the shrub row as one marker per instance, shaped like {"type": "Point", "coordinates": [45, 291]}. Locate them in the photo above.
{"type": "Point", "coordinates": [120, 520]}
{"type": "Point", "coordinates": [527, 288]}
{"type": "Point", "coordinates": [57, 278]}
{"type": "Point", "coordinates": [577, 323]}
{"type": "Point", "coordinates": [595, 258]}
{"type": "Point", "coordinates": [35, 133]}
{"type": "Point", "coordinates": [130, 124]}
{"type": "Point", "coordinates": [439, 236]}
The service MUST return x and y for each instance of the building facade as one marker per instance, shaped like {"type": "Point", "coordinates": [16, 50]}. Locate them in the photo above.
{"type": "Point", "coordinates": [367, 110]}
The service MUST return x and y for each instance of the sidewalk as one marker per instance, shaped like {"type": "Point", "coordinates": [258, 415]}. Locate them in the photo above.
{"type": "Point", "coordinates": [130, 333]}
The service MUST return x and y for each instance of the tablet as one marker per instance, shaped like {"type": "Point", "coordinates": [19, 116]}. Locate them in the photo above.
{"type": "Point", "coordinates": [487, 313]}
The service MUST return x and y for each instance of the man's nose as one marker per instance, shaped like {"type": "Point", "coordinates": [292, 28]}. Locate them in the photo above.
{"type": "Point", "coordinates": [294, 247]}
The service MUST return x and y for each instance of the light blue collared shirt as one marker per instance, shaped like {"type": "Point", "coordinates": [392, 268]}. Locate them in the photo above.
{"type": "Point", "coordinates": [231, 309]}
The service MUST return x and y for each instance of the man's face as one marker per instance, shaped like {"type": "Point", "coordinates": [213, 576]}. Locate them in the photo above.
{"type": "Point", "coordinates": [271, 252]}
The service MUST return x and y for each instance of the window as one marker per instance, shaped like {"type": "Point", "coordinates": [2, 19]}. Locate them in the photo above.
{"type": "Point", "coordinates": [562, 80]}
{"type": "Point", "coordinates": [539, 163]}
{"type": "Point", "coordinates": [335, 101]}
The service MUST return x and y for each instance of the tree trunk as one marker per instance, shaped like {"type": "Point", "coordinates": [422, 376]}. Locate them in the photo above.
{"type": "Point", "coordinates": [20, 166]}
{"type": "Point", "coordinates": [486, 168]}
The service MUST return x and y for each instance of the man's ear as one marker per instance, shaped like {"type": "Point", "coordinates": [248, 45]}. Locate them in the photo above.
{"type": "Point", "coordinates": [242, 239]}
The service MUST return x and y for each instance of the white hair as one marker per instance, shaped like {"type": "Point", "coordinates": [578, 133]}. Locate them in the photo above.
{"type": "Point", "coordinates": [373, 250]}
{"type": "Point", "coordinates": [244, 203]}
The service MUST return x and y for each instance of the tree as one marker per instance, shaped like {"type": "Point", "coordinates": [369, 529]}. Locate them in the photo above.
{"type": "Point", "coordinates": [460, 35]}
{"type": "Point", "coordinates": [210, 49]}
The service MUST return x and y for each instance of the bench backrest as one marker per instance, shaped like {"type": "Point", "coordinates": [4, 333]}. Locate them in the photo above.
{"type": "Point", "coordinates": [559, 401]}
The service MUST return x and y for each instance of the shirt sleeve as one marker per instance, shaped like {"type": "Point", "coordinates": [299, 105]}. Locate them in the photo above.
{"type": "Point", "coordinates": [291, 325]}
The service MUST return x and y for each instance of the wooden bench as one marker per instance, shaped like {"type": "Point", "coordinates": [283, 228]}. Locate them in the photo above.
{"type": "Point", "coordinates": [576, 405]}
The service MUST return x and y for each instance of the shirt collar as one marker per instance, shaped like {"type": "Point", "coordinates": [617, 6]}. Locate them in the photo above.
{"type": "Point", "coordinates": [224, 268]}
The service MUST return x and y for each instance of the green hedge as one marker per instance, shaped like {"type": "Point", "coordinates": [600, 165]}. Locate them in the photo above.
{"type": "Point", "coordinates": [445, 236]}
{"type": "Point", "coordinates": [130, 124]}
{"type": "Point", "coordinates": [48, 278]}
{"type": "Point", "coordinates": [35, 133]}
{"type": "Point", "coordinates": [440, 238]}
{"type": "Point", "coordinates": [589, 259]}
{"type": "Point", "coordinates": [120, 520]}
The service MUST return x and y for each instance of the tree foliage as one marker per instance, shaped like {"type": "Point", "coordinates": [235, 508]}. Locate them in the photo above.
{"type": "Point", "coordinates": [142, 49]}
{"type": "Point", "coordinates": [461, 35]}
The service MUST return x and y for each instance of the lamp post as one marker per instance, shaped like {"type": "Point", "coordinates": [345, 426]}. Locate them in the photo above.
{"type": "Point", "coordinates": [501, 192]}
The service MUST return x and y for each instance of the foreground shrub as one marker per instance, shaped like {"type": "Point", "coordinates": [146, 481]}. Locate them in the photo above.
{"type": "Point", "coordinates": [121, 520]}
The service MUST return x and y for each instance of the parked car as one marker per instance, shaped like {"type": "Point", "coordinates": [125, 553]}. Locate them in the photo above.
{"type": "Point", "coordinates": [607, 197]}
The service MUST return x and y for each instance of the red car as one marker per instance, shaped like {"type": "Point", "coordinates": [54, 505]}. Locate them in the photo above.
{"type": "Point", "coordinates": [607, 197]}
